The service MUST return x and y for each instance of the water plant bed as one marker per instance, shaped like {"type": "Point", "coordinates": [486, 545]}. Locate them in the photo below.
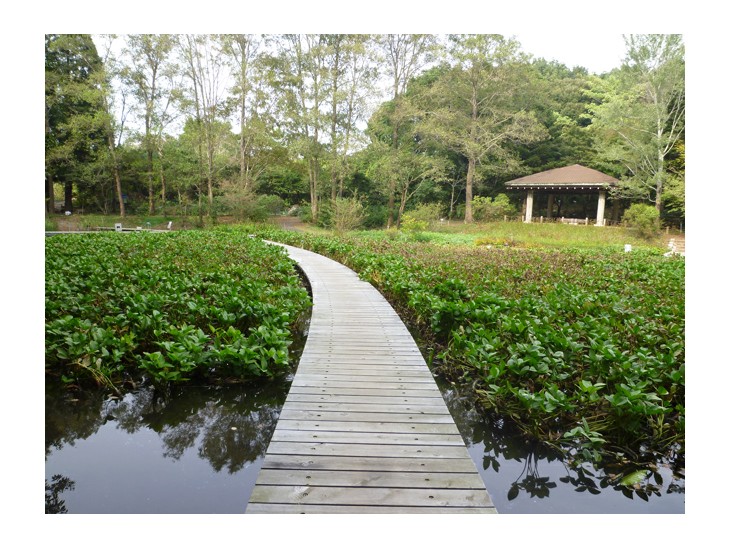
{"type": "Point", "coordinates": [579, 347]}
{"type": "Point", "coordinates": [165, 308]}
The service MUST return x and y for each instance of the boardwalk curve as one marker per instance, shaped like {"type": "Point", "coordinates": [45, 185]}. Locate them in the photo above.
{"type": "Point", "coordinates": [364, 428]}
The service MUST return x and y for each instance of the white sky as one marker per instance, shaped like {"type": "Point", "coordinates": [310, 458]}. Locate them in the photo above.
{"type": "Point", "coordinates": [598, 53]}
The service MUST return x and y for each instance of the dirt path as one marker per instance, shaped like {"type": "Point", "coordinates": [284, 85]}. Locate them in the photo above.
{"type": "Point", "coordinates": [289, 223]}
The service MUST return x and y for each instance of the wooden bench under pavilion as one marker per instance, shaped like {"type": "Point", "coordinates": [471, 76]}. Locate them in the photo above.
{"type": "Point", "coordinates": [564, 180]}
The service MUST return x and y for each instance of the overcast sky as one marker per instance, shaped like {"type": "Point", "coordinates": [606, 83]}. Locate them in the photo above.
{"type": "Point", "coordinates": [598, 53]}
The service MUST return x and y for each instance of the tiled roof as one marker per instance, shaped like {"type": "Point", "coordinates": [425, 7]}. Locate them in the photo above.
{"type": "Point", "coordinates": [575, 175]}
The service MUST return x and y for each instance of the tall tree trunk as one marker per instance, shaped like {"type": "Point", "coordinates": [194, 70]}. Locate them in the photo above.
{"type": "Point", "coordinates": [333, 131]}
{"type": "Point", "coordinates": [313, 190]}
{"type": "Point", "coordinates": [115, 171]}
{"type": "Point", "coordinates": [403, 200]}
{"type": "Point", "coordinates": [68, 192]}
{"type": "Point", "coordinates": [163, 189]}
{"type": "Point", "coordinates": [211, 213]}
{"type": "Point", "coordinates": [391, 202]}
{"type": "Point", "coordinates": [150, 182]}
{"type": "Point", "coordinates": [660, 171]}
{"type": "Point", "coordinates": [50, 195]}
{"type": "Point", "coordinates": [468, 217]}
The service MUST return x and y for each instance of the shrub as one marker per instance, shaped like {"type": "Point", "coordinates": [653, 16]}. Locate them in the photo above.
{"type": "Point", "coordinates": [427, 213]}
{"type": "Point", "coordinates": [492, 209]}
{"type": "Point", "coordinates": [644, 218]}
{"type": "Point", "coordinates": [273, 204]}
{"type": "Point", "coordinates": [347, 214]}
{"type": "Point", "coordinates": [376, 216]}
{"type": "Point", "coordinates": [412, 225]}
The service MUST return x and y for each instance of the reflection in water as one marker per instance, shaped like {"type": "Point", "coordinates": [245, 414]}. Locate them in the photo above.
{"type": "Point", "coordinates": [194, 451]}
{"type": "Point", "coordinates": [524, 476]}
{"type": "Point", "coordinates": [59, 484]}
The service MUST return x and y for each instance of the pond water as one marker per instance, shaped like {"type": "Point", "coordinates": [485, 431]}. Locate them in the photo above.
{"type": "Point", "coordinates": [198, 451]}
{"type": "Point", "coordinates": [525, 477]}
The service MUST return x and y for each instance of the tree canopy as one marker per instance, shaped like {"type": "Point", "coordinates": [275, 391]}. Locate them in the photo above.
{"type": "Point", "coordinates": [176, 122]}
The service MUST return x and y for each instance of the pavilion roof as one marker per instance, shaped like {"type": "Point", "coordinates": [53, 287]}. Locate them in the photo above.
{"type": "Point", "coordinates": [564, 178]}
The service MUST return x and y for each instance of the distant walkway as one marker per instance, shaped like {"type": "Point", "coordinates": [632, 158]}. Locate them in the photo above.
{"type": "Point", "coordinates": [364, 428]}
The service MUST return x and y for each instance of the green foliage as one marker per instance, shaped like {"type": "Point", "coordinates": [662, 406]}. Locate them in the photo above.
{"type": "Point", "coordinates": [492, 209]}
{"type": "Point", "coordinates": [586, 346]}
{"type": "Point", "coordinates": [347, 214]}
{"type": "Point", "coordinates": [412, 225]}
{"type": "Point", "coordinates": [172, 307]}
{"type": "Point", "coordinates": [644, 218]}
{"type": "Point", "coordinates": [245, 205]}
{"type": "Point", "coordinates": [429, 213]}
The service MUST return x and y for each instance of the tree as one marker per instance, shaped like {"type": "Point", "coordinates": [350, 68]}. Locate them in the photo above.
{"type": "Point", "coordinates": [560, 98]}
{"type": "Point", "coordinates": [298, 75]}
{"type": "Point", "coordinates": [248, 98]}
{"type": "Point", "coordinates": [641, 118]}
{"type": "Point", "coordinates": [204, 66]}
{"type": "Point", "coordinates": [113, 129]}
{"type": "Point", "coordinates": [150, 75]}
{"type": "Point", "coordinates": [73, 104]}
{"type": "Point", "coordinates": [473, 108]}
{"type": "Point", "coordinates": [405, 55]}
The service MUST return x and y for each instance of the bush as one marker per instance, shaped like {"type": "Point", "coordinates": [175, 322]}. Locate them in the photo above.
{"type": "Point", "coordinates": [427, 213]}
{"type": "Point", "coordinates": [492, 209]}
{"type": "Point", "coordinates": [273, 204]}
{"type": "Point", "coordinates": [347, 214]}
{"type": "Point", "coordinates": [376, 216]}
{"type": "Point", "coordinates": [242, 203]}
{"type": "Point", "coordinates": [412, 225]}
{"type": "Point", "coordinates": [644, 218]}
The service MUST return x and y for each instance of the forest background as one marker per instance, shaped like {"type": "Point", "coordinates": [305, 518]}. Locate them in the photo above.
{"type": "Point", "coordinates": [247, 124]}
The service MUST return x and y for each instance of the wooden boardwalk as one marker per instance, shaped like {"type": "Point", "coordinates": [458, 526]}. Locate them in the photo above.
{"type": "Point", "coordinates": [364, 428]}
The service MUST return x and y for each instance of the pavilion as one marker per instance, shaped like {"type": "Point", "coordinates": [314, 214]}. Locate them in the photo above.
{"type": "Point", "coordinates": [575, 179]}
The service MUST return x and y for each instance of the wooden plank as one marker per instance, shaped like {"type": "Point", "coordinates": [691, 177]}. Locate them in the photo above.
{"type": "Point", "coordinates": [397, 400]}
{"type": "Point", "coordinates": [350, 391]}
{"type": "Point", "coordinates": [347, 478]}
{"type": "Point", "coordinates": [367, 450]}
{"type": "Point", "coordinates": [354, 380]}
{"type": "Point", "coordinates": [356, 426]}
{"type": "Point", "coordinates": [364, 417]}
{"type": "Point", "coordinates": [370, 496]}
{"type": "Point", "coordinates": [350, 407]}
{"type": "Point", "coordinates": [370, 464]}
{"type": "Point", "coordinates": [394, 385]}
{"type": "Point", "coordinates": [369, 438]}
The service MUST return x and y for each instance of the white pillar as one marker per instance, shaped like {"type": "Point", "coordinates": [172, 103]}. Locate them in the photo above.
{"type": "Point", "coordinates": [601, 207]}
{"type": "Point", "coordinates": [528, 206]}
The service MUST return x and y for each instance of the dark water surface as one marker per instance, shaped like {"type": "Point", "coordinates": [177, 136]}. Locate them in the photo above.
{"type": "Point", "coordinates": [524, 477]}
{"type": "Point", "coordinates": [200, 452]}
{"type": "Point", "coordinates": [196, 452]}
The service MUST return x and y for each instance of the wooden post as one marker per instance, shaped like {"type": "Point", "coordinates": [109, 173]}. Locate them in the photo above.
{"type": "Point", "coordinates": [601, 208]}
{"type": "Point", "coordinates": [528, 206]}
{"type": "Point", "coordinates": [551, 202]}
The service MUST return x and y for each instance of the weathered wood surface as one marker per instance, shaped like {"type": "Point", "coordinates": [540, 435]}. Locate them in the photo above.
{"type": "Point", "coordinates": [364, 428]}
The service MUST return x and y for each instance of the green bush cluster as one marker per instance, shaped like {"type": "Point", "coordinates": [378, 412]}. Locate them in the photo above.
{"type": "Point", "coordinates": [485, 209]}
{"type": "Point", "coordinates": [644, 218]}
{"type": "Point", "coordinates": [171, 306]}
